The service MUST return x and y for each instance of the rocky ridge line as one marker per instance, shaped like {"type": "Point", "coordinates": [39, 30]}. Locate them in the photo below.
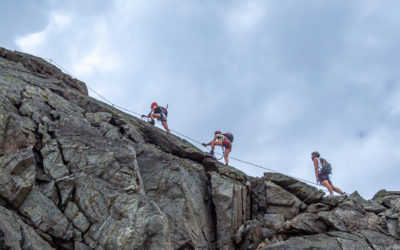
{"type": "Point", "coordinates": [76, 173]}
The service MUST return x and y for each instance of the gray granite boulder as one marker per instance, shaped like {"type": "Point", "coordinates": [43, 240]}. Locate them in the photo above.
{"type": "Point", "coordinates": [17, 175]}
{"type": "Point", "coordinates": [281, 201]}
{"type": "Point", "coordinates": [15, 234]}
{"type": "Point", "coordinates": [318, 241]}
{"type": "Point", "coordinates": [306, 223]}
{"type": "Point", "coordinates": [45, 215]}
{"type": "Point", "coordinates": [182, 191]}
{"type": "Point", "coordinates": [303, 191]}
{"type": "Point", "coordinates": [231, 207]}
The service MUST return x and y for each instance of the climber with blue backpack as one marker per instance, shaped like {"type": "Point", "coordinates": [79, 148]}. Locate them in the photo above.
{"type": "Point", "coordinates": [159, 113]}
{"type": "Point", "coordinates": [322, 171]}
{"type": "Point", "coordinates": [224, 140]}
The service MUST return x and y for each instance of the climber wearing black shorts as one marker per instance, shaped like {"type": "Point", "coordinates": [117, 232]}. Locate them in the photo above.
{"type": "Point", "coordinates": [159, 113]}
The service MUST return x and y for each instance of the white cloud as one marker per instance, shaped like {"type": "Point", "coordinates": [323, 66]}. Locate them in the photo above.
{"type": "Point", "coordinates": [246, 16]}
{"type": "Point", "coordinates": [98, 58]}
{"type": "Point", "coordinates": [95, 61]}
{"type": "Point", "coordinates": [31, 41]}
{"type": "Point", "coordinates": [58, 22]}
{"type": "Point", "coordinates": [88, 41]}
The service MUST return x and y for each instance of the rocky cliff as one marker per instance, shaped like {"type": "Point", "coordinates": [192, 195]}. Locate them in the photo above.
{"type": "Point", "coordinates": [76, 173]}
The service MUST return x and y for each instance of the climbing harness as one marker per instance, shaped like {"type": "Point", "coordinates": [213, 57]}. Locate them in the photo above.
{"type": "Point", "coordinates": [222, 155]}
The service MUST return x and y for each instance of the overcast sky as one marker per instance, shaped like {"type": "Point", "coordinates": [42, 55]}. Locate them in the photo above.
{"type": "Point", "coordinates": [285, 77]}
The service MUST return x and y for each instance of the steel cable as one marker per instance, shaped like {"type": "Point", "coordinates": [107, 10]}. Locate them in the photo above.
{"type": "Point", "coordinates": [176, 132]}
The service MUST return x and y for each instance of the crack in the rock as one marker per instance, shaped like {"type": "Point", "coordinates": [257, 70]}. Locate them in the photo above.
{"type": "Point", "coordinates": [60, 149]}
{"type": "Point", "coordinates": [369, 243]}
{"type": "Point", "coordinates": [58, 92]}
{"type": "Point", "coordinates": [14, 69]}
{"type": "Point", "coordinates": [212, 208]}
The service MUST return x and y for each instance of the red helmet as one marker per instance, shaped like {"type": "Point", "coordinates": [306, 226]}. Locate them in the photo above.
{"type": "Point", "coordinates": [154, 104]}
{"type": "Point", "coordinates": [217, 132]}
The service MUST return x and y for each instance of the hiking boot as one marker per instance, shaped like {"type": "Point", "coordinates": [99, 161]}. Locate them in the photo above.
{"type": "Point", "coordinates": [212, 153]}
{"type": "Point", "coordinates": [152, 122]}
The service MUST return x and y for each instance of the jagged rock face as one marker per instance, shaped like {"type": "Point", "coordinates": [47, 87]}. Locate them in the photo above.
{"type": "Point", "coordinates": [76, 173]}
{"type": "Point", "coordinates": [16, 234]}
{"type": "Point", "coordinates": [279, 194]}
{"type": "Point", "coordinates": [82, 174]}
{"type": "Point", "coordinates": [332, 222]}
{"type": "Point", "coordinates": [65, 180]}
{"type": "Point", "coordinates": [181, 189]}
{"type": "Point", "coordinates": [232, 206]}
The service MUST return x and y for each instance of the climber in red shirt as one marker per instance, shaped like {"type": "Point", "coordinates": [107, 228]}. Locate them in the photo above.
{"type": "Point", "coordinates": [223, 140]}
{"type": "Point", "coordinates": [159, 113]}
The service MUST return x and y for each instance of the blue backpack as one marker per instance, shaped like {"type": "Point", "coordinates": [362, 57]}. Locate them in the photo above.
{"type": "Point", "coordinates": [326, 166]}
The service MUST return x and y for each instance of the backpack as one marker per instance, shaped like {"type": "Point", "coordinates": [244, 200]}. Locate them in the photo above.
{"type": "Point", "coordinates": [162, 110]}
{"type": "Point", "coordinates": [326, 166]}
{"type": "Point", "coordinates": [229, 136]}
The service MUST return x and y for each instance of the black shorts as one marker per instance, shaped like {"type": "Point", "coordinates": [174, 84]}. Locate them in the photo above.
{"type": "Point", "coordinates": [324, 177]}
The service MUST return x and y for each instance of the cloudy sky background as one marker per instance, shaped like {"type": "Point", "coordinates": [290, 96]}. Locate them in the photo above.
{"type": "Point", "coordinates": [285, 77]}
